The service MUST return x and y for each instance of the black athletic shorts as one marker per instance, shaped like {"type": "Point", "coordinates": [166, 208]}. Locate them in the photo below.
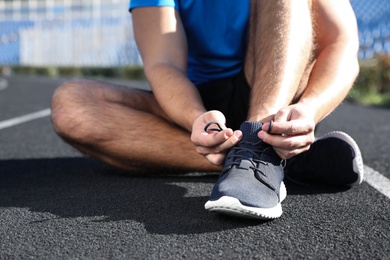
{"type": "Point", "coordinates": [230, 96]}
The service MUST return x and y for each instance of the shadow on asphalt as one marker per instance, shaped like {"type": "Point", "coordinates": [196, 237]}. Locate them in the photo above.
{"type": "Point", "coordinates": [83, 187]}
{"type": "Point", "coordinates": [298, 189]}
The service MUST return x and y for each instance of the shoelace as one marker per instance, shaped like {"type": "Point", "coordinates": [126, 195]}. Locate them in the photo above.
{"type": "Point", "coordinates": [208, 127]}
{"type": "Point", "coordinates": [239, 150]}
{"type": "Point", "coordinates": [215, 126]}
{"type": "Point", "coordinates": [255, 160]}
{"type": "Point", "coordinates": [237, 156]}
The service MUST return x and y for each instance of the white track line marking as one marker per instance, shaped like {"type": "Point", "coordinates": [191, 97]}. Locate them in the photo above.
{"type": "Point", "coordinates": [377, 180]}
{"type": "Point", "coordinates": [25, 118]}
{"type": "Point", "coordinates": [372, 177]}
{"type": "Point", "coordinates": [3, 84]}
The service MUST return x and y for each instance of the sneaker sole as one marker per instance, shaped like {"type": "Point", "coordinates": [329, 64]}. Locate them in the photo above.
{"type": "Point", "coordinates": [233, 207]}
{"type": "Point", "coordinates": [358, 166]}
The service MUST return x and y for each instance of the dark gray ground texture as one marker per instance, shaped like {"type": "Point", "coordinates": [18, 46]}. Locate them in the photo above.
{"type": "Point", "coordinates": [57, 204]}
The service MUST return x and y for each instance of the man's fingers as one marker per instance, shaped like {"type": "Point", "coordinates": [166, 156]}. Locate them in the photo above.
{"type": "Point", "coordinates": [214, 138]}
{"type": "Point", "coordinates": [211, 137]}
{"type": "Point", "coordinates": [216, 155]}
{"type": "Point", "coordinates": [282, 115]}
{"type": "Point", "coordinates": [216, 159]}
{"type": "Point", "coordinates": [294, 127]}
{"type": "Point", "coordinates": [287, 142]}
{"type": "Point", "coordinates": [220, 147]}
{"type": "Point", "coordinates": [287, 147]}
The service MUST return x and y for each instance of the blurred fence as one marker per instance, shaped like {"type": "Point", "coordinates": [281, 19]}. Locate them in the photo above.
{"type": "Point", "coordinates": [99, 32]}
{"type": "Point", "coordinates": [66, 33]}
{"type": "Point", "coordinates": [373, 18]}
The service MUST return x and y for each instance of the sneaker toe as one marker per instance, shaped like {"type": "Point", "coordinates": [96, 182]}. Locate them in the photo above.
{"type": "Point", "coordinates": [247, 188]}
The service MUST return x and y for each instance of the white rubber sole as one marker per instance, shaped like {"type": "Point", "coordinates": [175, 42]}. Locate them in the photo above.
{"type": "Point", "coordinates": [358, 166]}
{"type": "Point", "coordinates": [232, 206]}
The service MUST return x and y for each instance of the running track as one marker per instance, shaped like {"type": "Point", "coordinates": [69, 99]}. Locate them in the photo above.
{"type": "Point", "coordinates": [56, 203]}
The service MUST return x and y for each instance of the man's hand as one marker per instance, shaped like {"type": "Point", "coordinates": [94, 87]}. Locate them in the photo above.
{"type": "Point", "coordinates": [213, 145]}
{"type": "Point", "coordinates": [292, 131]}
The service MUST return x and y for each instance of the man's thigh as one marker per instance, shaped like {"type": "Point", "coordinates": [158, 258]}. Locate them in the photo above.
{"type": "Point", "coordinates": [125, 97]}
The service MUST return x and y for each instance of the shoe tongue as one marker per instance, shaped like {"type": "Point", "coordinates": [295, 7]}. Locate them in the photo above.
{"type": "Point", "coordinates": [251, 141]}
{"type": "Point", "coordinates": [250, 131]}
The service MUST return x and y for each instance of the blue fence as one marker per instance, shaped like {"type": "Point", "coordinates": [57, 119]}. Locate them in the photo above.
{"type": "Point", "coordinates": [9, 40]}
{"type": "Point", "coordinates": [105, 38]}
{"type": "Point", "coordinates": [66, 33]}
{"type": "Point", "coordinates": [373, 18]}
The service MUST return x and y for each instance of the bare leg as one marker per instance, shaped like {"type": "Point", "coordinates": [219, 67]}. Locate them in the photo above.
{"type": "Point", "coordinates": [279, 51]}
{"type": "Point", "coordinates": [123, 127]}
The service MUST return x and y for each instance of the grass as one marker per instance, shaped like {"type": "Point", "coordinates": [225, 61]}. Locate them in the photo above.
{"type": "Point", "coordinates": [372, 86]}
{"type": "Point", "coordinates": [370, 98]}
{"type": "Point", "coordinates": [130, 72]}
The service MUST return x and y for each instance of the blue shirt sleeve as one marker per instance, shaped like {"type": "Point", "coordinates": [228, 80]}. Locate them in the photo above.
{"type": "Point", "coordinates": [145, 3]}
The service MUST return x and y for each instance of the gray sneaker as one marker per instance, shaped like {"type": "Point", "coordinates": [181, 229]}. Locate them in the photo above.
{"type": "Point", "coordinates": [251, 184]}
{"type": "Point", "coordinates": [333, 159]}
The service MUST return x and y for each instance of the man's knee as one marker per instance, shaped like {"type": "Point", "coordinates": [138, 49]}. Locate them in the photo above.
{"type": "Point", "coordinates": [69, 110]}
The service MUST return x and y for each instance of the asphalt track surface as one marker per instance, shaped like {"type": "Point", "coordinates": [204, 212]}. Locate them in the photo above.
{"type": "Point", "coordinates": [57, 204]}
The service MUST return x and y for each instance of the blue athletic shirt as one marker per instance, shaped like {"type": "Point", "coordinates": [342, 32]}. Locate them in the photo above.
{"type": "Point", "coordinates": [217, 35]}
